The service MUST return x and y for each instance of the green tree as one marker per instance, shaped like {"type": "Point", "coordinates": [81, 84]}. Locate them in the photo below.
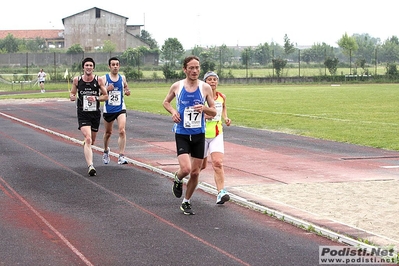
{"type": "Point", "coordinates": [109, 46]}
{"type": "Point", "coordinates": [361, 63]}
{"type": "Point", "coordinates": [276, 50]}
{"type": "Point", "coordinates": [172, 51]}
{"type": "Point", "coordinates": [279, 64]}
{"type": "Point", "coordinates": [349, 46]}
{"type": "Point", "coordinates": [76, 68]}
{"type": "Point", "coordinates": [169, 73]}
{"type": "Point", "coordinates": [207, 63]}
{"type": "Point", "coordinates": [246, 56]}
{"type": "Point", "coordinates": [392, 69]}
{"type": "Point", "coordinates": [366, 45]}
{"type": "Point", "coordinates": [317, 53]}
{"type": "Point", "coordinates": [146, 36]}
{"type": "Point", "coordinates": [135, 56]}
{"type": "Point", "coordinates": [332, 65]}
{"type": "Point", "coordinates": [262, 54]}
{"type": "Point", "coordinates": [197, 50]}
{"type": "Point", "coordinates": [139, 53]}
{"type": "Point", "coordinates": [223, 55]}
{"type": "Point", "coordinates": [389, 50]}
{"type": "Point", "coordinates": [289, 47]}
{"type": "Point", "coordinates": [38, 44]}
{"type": "Point", "coordinates": [132, 73]}
{"type": "Point", "coordinates": [128, 57]}
{"type": "Point", "coordinates": [213, 53]}
{"type": "Point", "coordinates": [31, 46]}
{"type": "Point", "coordinates": [9, 44]}
{"type": "Point", "coordinates": [75, 49]}
{"type": "Point", "coordinates": [220, 55]}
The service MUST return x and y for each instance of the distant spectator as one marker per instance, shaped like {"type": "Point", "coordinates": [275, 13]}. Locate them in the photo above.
{"type": "Point", "coordinates": [41, 78]}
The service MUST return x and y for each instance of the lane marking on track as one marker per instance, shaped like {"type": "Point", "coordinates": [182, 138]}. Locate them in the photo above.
{"type": "Point", "coordinates": [212, 190]}
{"type": "Point", "coordinates": [47, 223]}
{"type": "Point", "coordinates": [369, 157]}
{"type": "Point", "coordinates": [160, 171]}
{"type": "Point", "coordinates": [124, 199]}
{"type": "Point", "coordinates": [7, 193]}
{"type": "Point", "coordinates": [165, 221]}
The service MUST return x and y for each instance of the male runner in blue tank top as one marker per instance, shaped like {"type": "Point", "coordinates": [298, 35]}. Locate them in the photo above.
{"type": "Point", "coordinates": [191, 95]}
{"type": "Point", "coordinates": [115, 109]}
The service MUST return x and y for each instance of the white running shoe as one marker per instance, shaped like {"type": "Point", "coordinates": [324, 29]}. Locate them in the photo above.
{"type": "Point", "coordinates": [122, 160]}
{"type": "Point", "coordinates": [106, 158]}
{"type": "Point", "coordinates": [92, 170]}
{"type": "Point", "coordinates": [222, 197]}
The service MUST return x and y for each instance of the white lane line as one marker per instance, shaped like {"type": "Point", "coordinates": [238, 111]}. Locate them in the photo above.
{"type": "Point", "coordinates": [390, 166]}
{"type": "Point", "coordinates": [47, 223]}
{"type": "Point", "coordinates": [212, 190]}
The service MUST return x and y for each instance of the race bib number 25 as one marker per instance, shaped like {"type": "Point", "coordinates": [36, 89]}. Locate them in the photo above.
{"type": "Point", "coordinates": [114, 98]}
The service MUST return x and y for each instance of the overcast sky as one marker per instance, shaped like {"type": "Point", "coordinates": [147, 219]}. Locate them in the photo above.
{"type": "Point", "coordinates": [218, 22]}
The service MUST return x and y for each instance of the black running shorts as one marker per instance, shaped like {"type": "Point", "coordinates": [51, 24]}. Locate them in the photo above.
{"type": "Point", "coordinates": [109, 117]}
{"type": "Point", "coordinates": [91, 119]}
{"type": "Point", "coordinates": [191, 144]}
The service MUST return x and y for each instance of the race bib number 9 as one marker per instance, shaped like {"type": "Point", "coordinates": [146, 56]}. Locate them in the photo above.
{"type": "Point", "coordinates": [192, 119]}
{"type": "Point", "coordinates": [89, 106]}
{"type": "Point", "coordinates": [114, 98]}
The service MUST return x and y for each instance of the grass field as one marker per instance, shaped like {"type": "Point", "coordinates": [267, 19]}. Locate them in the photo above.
{"type": "Point", "coordinates": [364, 114]}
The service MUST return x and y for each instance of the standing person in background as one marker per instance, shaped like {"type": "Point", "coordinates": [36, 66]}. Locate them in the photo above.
{"type": "Point", "coordinates": [214, 142]}
{"type": "Point", "coordinates": [191, 95]}
{"type": "Point", "coordinates": [88, 90]}
{"type": "Point", "coordinates": [115, 109]}
{"type": "Point", "coordinates": [41, 77]}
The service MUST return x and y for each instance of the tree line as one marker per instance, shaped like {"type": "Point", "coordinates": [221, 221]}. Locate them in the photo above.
{"type": "Point", "coordinates": [360, 51]}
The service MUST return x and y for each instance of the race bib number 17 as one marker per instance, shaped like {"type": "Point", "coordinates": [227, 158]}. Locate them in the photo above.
{"type": "Point", "coordinates": [192, 119]}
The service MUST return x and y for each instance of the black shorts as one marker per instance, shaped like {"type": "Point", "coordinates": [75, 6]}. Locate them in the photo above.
{"type": "Point", "coordinates": [91, 119]}
{"type": "Point", "coordinates": [109, 117]}
{"type": "Point", "coordinates": [191, 144]}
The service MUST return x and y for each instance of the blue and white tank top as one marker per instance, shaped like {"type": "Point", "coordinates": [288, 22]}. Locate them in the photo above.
{"type": "Point", "coordinates": [192, 122]}
{"type": "Point", "coordinates": [115, 102]}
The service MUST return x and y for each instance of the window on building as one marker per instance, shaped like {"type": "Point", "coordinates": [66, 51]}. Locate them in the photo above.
{"type": "Point", "coordinates": [98, 13]}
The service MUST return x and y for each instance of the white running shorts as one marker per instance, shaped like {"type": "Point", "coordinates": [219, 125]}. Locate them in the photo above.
{"type": "Point", "coordinates": [215, 144]}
